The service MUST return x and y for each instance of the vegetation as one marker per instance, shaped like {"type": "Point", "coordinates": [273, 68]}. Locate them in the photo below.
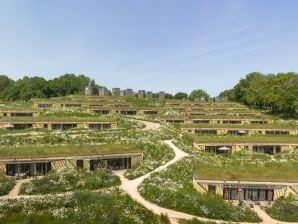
{"type": "Point", "coordinates": [70, 180]}
{"type": "Point", "coordinates": [198, 94]}
{"type": "Point", "coordinates": [276, 93]}
{"type": "Point", "coordinates": [276, 125]}
{"type": "Point", "coordinates": [62, 150]}
{"type": "Point", "coordinates": [284, 209]}
{"type": "Point", "coordinates": [37, 87]}
{"type": "Point", "coordinates": [247, 139]}
{"type": "Point", "coordinates": [155, 155]}
{"type": "Point", "coordinates": [107, 206]}
{"type": "Point", "coordinates": [194, 221]}
{"type": "Point", "coordinates": [248, 166]}
{"type": "Point", "coordinates": [172, 188]}
{"type": "Point", "coordinates": [6, 184]}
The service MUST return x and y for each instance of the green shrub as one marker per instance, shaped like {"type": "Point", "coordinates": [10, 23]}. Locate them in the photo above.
{"type": "Point", "coordinates": [70, 181]}
{"type": "Point", "coordinates": [173, 188]}
{"type": "Point", "coordinates": [107, 207]}
{"type": "Point", "coordinates": [285, 209]}
{"type": "Point", "coordinates": [6, 184]}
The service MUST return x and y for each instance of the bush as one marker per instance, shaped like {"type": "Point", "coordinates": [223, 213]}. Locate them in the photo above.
{"type": "Point", "coordinates": [80, 207]}
{"type": "Point", "coordinates": [6, 184]}
{"type": "Point", "coordinates": [173, 188]}
{"type": "Point", "coordinates": [284, 209]}
{"type": "Point", "coordinates": [70, 181]}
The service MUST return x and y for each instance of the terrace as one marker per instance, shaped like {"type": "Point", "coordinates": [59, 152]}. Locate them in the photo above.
{"type": "Point", "coordinates": [36, 161]}
{"type": "Point", "coordinates": [246, 182]}
{"type": "Point", "coordinates": [246, 129]}
{"type": "Point", "coordinates": [262, 144]}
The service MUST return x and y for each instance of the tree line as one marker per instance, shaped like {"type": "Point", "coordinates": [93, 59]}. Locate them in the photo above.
{"type": "Point", "coordinates": [276, 93]}
{"type": "Point", "coordinates": [38, 87]}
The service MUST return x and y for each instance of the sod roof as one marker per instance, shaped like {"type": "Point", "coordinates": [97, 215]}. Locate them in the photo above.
{"type": "Point", "coordinates": [243, 126]}
{"type": "Point", "coordinates": [247, 139]}
{"type": "Point", "coordinates": [65, 150]}
{"type": "Point", "coordinates": [247, 170]}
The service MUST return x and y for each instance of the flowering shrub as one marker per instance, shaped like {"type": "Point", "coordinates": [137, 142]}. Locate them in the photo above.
{"type": "Point", "coordinates": [6, 184]}
{"type": "Point", "coordinates": [109, 206]}
{"type": "Point", "coordinates": [285, 209]}
{"type": "Point", "coordinates": [173, 188]}
{"type": "Point", "coordinates": [69, 181]}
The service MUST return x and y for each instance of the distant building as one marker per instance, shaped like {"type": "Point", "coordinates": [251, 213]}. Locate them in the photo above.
{"type": "Point", "coordinates": [102, 91]}
{"type": "Point", "coordinates": [220, 99]}
{"type": "Point", "coordinates": [129, 92]}
{"type": "Point", "coordinates": [122, 93]}
{"type": "Point", "coordinates": [201, 99]}
{"type": "Point", "coordinates": [149, 94]}
{"type": "Point", "coordinates": [88, 90]}
{"type": "Point", "coordinates": [161, 95]}
{"type": "Point", "coordinates": [141, 94]}
{"type": "Point", "coordinates": [116, 91]}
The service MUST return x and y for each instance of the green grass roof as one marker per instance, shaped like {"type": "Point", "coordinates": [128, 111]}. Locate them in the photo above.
{"type": "Point", "coordinates": [58, 119]}
{"type": "Point", "coordinates": [65, 150]}
{"type": "Point", "coordinates": [247, 139]}
{"type": "Point", "coordinates": [243, 126]}
{"type": "Point", "coordinates": [247, 170]}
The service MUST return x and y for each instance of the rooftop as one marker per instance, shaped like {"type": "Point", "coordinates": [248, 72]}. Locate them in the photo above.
{"type": "Point", "coordinates": [65, 150]}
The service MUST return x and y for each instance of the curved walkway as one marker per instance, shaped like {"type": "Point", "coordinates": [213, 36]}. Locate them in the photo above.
{"type": "Point", "coordinates": [150, 125]}
{"type": "Point", "coordinates": [131, 188]}
{"type": "Point", "coordinates": [16, 189]}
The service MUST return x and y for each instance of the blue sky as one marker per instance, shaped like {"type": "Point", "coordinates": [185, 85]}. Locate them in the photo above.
{"type": "Point", "coordinates": [172, 45]}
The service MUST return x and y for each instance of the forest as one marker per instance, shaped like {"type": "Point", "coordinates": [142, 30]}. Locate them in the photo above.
{"type": "Point", "coordinates": [275, 93]}
{"type": "Point", "coordinates": [38, 87]}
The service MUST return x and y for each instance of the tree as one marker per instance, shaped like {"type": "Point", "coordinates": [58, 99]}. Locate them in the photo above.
{"type": "Point", "coordinates": [198, 94]}
{"type": "Point", "coordinates": [5, 82]}
{"type": "Point", "coordinates": [69, 84]}
{"type": "Point", "coordinates": [169, 96]}
{"type": "Point", "coordinates": [180, 96]}
{"type": "Point", "coordinates": [276, 93]}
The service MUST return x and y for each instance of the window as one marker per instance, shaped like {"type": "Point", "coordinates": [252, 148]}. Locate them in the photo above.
{"type": "Point", "coordinates": [212, 189]}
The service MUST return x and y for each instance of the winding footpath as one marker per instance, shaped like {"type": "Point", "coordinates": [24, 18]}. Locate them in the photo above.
{"type": "Point", "coordinates": [131, 188]}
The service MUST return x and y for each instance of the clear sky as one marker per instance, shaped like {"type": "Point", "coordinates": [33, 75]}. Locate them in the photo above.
{"type": "Point", "coordinates": [172, 45]}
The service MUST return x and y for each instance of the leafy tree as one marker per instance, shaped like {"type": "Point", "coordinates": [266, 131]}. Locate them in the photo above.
{"type": "Point", "coordinates": [275, 93]}
{"type": "Point", "coordinates": [180, 96]}
{"type": "Point", "coordinates": [69, 84]}
{"type": "Point", "coordinates": [198, 93]}
{"type": "Point", "coordinates": [5, 82]}
{"type": "Point", "coordinates": [169, 96]}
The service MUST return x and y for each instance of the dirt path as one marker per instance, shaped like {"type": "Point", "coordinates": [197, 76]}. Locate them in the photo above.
{"type": "Point", "coordinates": [16, 189]}
{"type": "Point", "coordinates": [266, 218]}
{"type": "Point", "coordinates": [131, 188]}
{"type": "Point", "coordinates": [150, 125]}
